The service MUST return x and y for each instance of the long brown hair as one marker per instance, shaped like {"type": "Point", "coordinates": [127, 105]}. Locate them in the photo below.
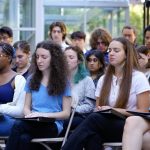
{"type": "Point", "coordinates": [131, 63]}
{"type": "Point", "coordinates": [58, 72]}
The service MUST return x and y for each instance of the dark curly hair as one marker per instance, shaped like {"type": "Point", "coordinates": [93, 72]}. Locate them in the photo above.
{"type": "Point", "coordinates": [58, 72]}
{"type": "Point", "coordinates": [8, 50]}
{"type": "Point", "coordinates": [99, 34]}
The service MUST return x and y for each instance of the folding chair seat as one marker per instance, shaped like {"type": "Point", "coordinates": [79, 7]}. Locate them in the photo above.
{"type": "Point", "coordinates": [46, 141]}
{"type": "Point", "coordinates": [3, 142]}
{"type": "Point", "coordinates": [114, 145]}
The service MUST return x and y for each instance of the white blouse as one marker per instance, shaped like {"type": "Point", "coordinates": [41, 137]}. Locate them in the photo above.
{"type": "Point", "coordinates": [139, 85]}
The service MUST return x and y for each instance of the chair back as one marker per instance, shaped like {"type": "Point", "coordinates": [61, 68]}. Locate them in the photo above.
{"type": "Point", "coordinates": [73, 105]}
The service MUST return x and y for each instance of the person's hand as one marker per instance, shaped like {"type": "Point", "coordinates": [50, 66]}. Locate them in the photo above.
{"type": "Point", "coordinates": [34, 114]}
{"type": "Point", "coordinates": [99, 108]}
{"type": "Point", "coordinates": [105, 107]}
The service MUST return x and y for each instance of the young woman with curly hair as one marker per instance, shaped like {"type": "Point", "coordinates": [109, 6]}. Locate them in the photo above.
{"type": "Point", "coordinates": [47, 95]}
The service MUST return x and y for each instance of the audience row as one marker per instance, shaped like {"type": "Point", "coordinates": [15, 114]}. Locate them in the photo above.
{"type": "Point", "coordinates": [114, 73]}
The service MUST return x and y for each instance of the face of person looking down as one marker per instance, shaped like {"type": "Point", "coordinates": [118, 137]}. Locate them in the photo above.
{"type": "Point", "coordinates": [143, 60]}
{"type": "Point", "coordinates": [72, 59]}
{"type": "Point", "coordinates": [22, 59]}
{"type": "Point", "coordinates": [78, 42]}
{"type": "Point", "coordinates": [43, 59]}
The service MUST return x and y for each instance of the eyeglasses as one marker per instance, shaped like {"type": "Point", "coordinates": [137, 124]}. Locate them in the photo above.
{"type": "Point", "coordinates": [101, 43]}
{"type": "Point", "coordinates": [92, 59]}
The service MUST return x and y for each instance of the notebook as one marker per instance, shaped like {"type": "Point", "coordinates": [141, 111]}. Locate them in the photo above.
{"type": "Point", "coordinates": [142, 114]}
{"type": "Point", "coordinates": [114, 112]}
{"type": "Point", "coordinates": [38, 119]}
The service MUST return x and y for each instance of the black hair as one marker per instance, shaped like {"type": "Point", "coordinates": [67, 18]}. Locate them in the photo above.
{"type": "Point", "coordinates": [6, 30]}
{"type": "Point", "coordinates": [78, 35]}
{"type": "Point", "coordinates": [7, 49]}
{"type": "Point", "coordinates": [100, 56]}
{"type": "Point", "coordinates": [146, 29]}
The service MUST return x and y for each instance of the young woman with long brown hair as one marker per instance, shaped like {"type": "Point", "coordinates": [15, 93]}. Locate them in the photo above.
{"type": "Point", "coordinates": [122, 87]}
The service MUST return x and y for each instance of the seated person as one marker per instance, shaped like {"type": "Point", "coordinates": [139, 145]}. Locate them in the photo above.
{"type": "Point", "coordinates": [122, 87]}
{"type": "Point", "coordinates": [129, 32]}
{"type": "Point", "coordinates": [57, 33]}
{"type": "Point", "coordinates": [6, 36]}
{"type": "Point", "coordinates": [100, 39]}
{"type": "Point", "coordinates": [47, 95]}
{"type": "Point", "coordinates": [136, 132]}
{"type": "Point", "coordinates": [12, 93]}
{"type": "Point", "coordinates": [22, 60]}
{"type": "Point", "coordinates": [144, 60]}
{"type": "Point", "coordinates": [82, 86]}
{"type": "Point", "coordinates": [95, 64]}
{"type": "Point", "coordinates": [78, 39]}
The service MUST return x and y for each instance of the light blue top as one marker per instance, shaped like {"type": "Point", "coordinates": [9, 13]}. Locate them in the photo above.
{"type": "Point", "coordinates": [42, 102]}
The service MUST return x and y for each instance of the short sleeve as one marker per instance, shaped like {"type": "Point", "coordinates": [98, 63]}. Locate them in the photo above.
{"type": "Point", "coordinates": [27, 88]}
{"type": "Point", "coordinates": [140, 82]}
{"type": "Point", "coordinates": [67, 91]}
{"type": "Point", "coordinates": [99, 86]}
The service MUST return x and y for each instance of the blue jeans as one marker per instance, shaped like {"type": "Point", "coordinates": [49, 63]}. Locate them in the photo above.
{"type": "Point", "coordinates": [6, 123]}
{"type": "Point", "coordinates": [23, 131]}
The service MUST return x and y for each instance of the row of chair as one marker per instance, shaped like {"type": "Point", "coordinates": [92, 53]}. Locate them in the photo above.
{"type": "Point", "coordinates": [45, 141]}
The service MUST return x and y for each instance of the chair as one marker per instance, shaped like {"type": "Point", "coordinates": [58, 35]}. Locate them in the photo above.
{"type": "Point", "coordinates": [114, 145]}
{"type": "Point", "coordinates": [44, 141]}
{"type": "Point", "coordinates": [3, 140]}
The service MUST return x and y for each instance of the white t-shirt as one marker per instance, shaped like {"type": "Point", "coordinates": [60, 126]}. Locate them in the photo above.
{"type": "Point", "coordinates": [139, 85]}
{"type": "Point", "coordinates": [64, 45]}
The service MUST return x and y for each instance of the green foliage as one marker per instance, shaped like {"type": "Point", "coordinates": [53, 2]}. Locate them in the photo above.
{"type": "Point", "coordinates": [136, 20]}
